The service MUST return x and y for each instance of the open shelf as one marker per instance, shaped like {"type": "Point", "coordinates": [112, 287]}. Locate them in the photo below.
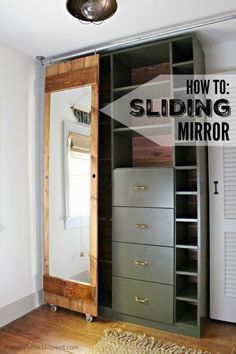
{"type": "Point", "coordinates": [105, 82]}
{"type": "Point", "coordinates": [186, 261]}
{"type": "Point", "coordinates": [186, 206]}
{"type": "Point", "coordinates": [182, 50]}
{"type": "Point", "coordinates": [185, 156]}
{"type": "Point", "coordinates": [186, 180]}
{"type": "Point", "coordinates": [186, 313]}
{"type": "Point", "coordinates": [105, 281]}
{"type": "Point", "coordinates": [186, 234]}
{"type": "Point", "coordinates": [140, 148]}
{"type": "Point", "coordinates": [104, 139]}
{"type": "Point", "coordinates": [104, 188]}
{"type": "Point", "coordinates": [186, 288]}
{"type": "Point", "coordinates": [140, 65]}
{"type": "Point", "coordinates": [182, 73]}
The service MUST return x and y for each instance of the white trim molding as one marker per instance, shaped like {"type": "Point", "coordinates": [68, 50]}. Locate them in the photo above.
{"type": "Point", "coordinates": [20, 308]}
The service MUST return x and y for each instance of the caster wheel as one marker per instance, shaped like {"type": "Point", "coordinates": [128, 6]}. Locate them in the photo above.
{"type": "Point", "coordinates": [53, 308]}
{"type": "Point", "coordinates": [89, 318]}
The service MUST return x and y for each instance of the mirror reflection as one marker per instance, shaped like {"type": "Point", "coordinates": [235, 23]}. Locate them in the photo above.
{"type": "Point", "coordinates": [69, 180]}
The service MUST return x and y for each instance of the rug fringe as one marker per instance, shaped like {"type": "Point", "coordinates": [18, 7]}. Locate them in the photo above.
{"type": "Point", "coordinates": [150, 343]}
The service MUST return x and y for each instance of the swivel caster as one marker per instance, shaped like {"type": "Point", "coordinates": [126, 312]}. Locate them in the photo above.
{"type": "Point", "coordinates": [89, 318]}
{"type": "Point", "coordinates": [53, 308]}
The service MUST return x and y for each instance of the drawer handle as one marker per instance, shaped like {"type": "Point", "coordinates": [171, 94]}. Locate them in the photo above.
{"type": "Point", "coordinates": [140, 188]}
{"type": "Point", "coordinates": [141, 300]}
{"type": "Point", "coordinates": [141, 226]}
{"type": "Point", "coordinates": [143, 264]}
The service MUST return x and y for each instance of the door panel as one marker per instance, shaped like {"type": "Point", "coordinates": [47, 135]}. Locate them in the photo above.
{"type": "Point", "coordinates": [222, 191]}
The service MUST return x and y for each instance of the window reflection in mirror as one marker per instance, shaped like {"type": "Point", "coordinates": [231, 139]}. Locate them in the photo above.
{"type": "Point", "coordinates": [79, 175]}
{"type": "Point", "coordinates": [69, 180]}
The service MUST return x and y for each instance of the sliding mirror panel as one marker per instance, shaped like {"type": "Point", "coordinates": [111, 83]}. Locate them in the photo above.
{"type": "Point", "coordinates": [70, 185]}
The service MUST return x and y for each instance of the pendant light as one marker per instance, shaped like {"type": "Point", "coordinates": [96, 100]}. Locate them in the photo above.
{"type": "Point", "coordinates": [91, 11]}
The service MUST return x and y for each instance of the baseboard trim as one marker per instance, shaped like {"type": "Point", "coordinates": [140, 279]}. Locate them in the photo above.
{"type": "Point", "coordinates": [20, 308]}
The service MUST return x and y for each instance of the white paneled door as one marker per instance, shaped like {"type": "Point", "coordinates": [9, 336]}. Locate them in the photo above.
{"type": "Point", "coordinates": [222, 195]}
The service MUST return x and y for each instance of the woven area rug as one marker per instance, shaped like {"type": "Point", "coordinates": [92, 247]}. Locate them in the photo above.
{"type": "Point", "coordinates": [116, 341]}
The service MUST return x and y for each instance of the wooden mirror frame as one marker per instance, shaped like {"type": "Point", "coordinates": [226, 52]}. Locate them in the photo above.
{"type": "Point", "coordinates": [70, 294]}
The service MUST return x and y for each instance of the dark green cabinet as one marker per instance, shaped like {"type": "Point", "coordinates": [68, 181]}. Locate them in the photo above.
{"type": "Point", "coordinates": [153, 199]}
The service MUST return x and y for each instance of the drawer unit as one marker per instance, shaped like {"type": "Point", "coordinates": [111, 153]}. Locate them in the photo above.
{"type": "Point", "coordinates": [141, 299]}
{"type": "Point", "coordinates": [143, 187]}
{"type": "Point", "coordinates": [149, 263]}
{"type": "Point", "coordinates": [143, 226]}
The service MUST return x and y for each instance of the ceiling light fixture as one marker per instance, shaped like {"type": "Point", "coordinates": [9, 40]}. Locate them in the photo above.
{"type": "Point", "coordinates": [91, 11]}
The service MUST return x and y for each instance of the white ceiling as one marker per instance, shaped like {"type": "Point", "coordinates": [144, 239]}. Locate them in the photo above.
{"type": "Point", "coordinates": [44, 27]}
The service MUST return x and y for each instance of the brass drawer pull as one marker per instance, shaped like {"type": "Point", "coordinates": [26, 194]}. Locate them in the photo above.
{"type": "Point", "coordinates": [141, 300]}
{"type": "Point", "coordinates": [140, 188]}
{"type": "Point", "coordinates": [143, 264]}
{"type": "Point", "coordinates": [141, 226]}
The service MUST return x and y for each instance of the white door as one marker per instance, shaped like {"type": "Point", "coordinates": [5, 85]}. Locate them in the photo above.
{"type": "Point", "coordinates": [222, 196]}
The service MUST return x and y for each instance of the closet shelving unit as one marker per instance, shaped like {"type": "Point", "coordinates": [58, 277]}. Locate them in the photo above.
{"type": "Point", "coordinates": [126, 70]}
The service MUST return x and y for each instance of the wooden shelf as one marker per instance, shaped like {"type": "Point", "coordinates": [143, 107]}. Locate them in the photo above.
{"type": "Point", "coordinates": [185, 167]}
{"type": "Point", "coordinates": [189, 269]}
{"type": "Point", "coordinates": [190, 247]}
{"type": "Point", "coordinates": [186, 220]}
{"type": "Point", "coordinates": [142, 127]}
{"type": "Point", "coordinates": [186, 193]}
{"type": "Point", "coordinates": [104, 261]}
{"type": "Point", "coordinates": [188, 293]}
{"type": "Point", "coordinates": [147, 130]}
{"type": "Point", "coordinates": [184, 143]}
{"type": "Point", "coordinates": [182, 63]}
{"type": "Point", "coordinates": [148, 84]}
{"type": "Point", "coordinates": [180, 89]}
{"type": "Point", "coordinates": [104, 219]}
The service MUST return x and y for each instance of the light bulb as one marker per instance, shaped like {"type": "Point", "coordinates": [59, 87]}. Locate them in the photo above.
{"type": "Point", "coordinates": [89, 10]}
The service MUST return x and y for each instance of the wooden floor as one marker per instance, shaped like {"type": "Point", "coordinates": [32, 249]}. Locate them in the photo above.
{"type": "Point", "coordinates": [42, 331]}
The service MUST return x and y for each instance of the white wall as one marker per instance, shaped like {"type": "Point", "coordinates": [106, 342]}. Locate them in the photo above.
{"type": "Point", "coordinates": [220, 57]}
{"type": "Point", "coordinates": [20, 240]}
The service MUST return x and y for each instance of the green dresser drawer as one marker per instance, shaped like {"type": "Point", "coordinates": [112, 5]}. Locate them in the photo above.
{"type": "Point", "coordinates": [142, 299]}
{"type": "Point", "coordinates": [149, 263]}
{"type": "Point", "coordinates": [143, 187]}
{"type": "Point", "coordinates": [143, 225]}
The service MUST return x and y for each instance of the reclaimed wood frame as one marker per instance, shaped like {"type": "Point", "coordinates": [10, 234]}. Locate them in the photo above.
{"type": "Point", "coordinates": [69, 294]}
